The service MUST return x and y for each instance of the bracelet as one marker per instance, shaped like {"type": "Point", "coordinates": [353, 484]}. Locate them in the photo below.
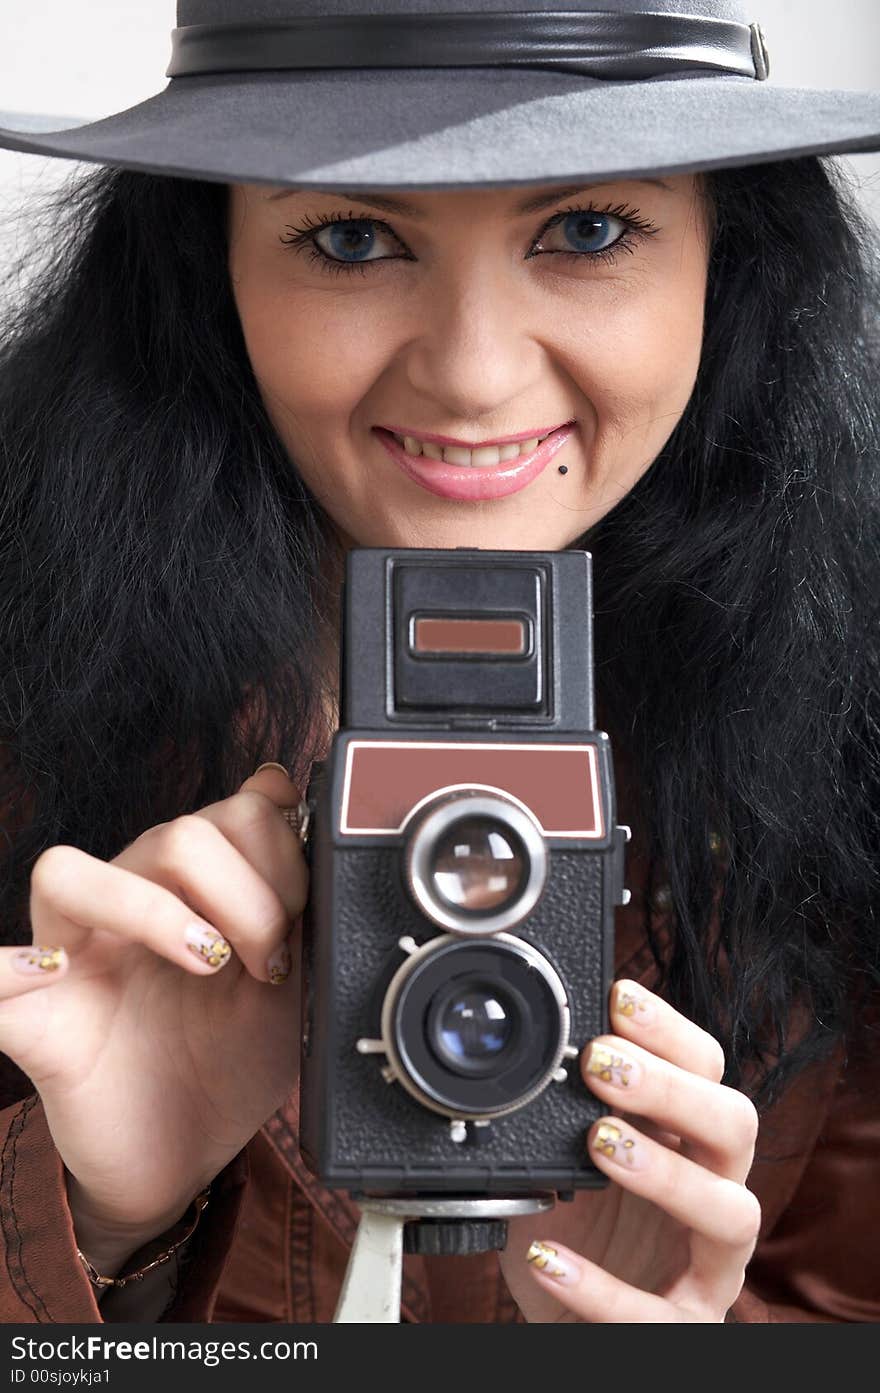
{"type": "Point", "coordinates": [167, 1248]}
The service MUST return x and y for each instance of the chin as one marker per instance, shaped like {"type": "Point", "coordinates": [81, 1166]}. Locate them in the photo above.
{"type": "Point", "coordinates": [447, 533]}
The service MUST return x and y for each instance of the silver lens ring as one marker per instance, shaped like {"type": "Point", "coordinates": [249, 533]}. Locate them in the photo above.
{"type": "Point", "coordinates": [442, 814]}
{"type": "Point", "coordinates": [537, 963]}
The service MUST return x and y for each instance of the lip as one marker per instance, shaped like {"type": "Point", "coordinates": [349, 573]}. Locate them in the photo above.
{"type": "Point", "coordinates": [475, 485]}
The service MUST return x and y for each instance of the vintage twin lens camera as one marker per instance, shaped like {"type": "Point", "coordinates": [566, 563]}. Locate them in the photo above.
{"type": "Point", "coordinates": [465, 866]}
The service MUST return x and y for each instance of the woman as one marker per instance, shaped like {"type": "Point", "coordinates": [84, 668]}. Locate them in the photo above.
{"type": "Point", "coordinates": [199, 400]}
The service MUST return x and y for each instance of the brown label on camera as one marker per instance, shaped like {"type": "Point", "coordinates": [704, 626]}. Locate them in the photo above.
{"type": "Point", "coordinates": [489, 637]}
{"type": "Point", "coordinates": [385, 780]}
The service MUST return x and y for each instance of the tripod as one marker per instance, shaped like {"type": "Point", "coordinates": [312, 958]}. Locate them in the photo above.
{"type": "Point", "coordinates": [371, 1288]}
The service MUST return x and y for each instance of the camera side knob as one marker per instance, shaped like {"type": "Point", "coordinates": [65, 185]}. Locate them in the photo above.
{"type": "Point", "coordinates": [623, 835]}
{"type": "Point", "coordinates": [454, 1237]}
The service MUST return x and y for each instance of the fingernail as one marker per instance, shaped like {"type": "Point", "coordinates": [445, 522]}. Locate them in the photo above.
{"type": "Point", "coordinates": [629, 1002]}
{"type": "Point", "coordinates": [618, 1146]}
{"type": "Point", "coordinates": [556, 1263]}
{"type": "Point", "coordinates": [207, 945]}
{"type": "Point", "coordinates": [279, 767]}
{"type": "Point", "coordinates": [611, 1067]}
{"type": "Point", "coordinates": [278, 964]}
{"type": "Point", "coordinates": [33, 961]}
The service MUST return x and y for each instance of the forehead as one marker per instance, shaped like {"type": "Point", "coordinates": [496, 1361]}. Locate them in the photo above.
{"type": "Point", "coordinates": [681, 204]}
{"type": "Point", "coordinates": [514, 201]}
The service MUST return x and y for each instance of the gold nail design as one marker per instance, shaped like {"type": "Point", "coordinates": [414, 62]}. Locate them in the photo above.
{"type": "Point", "coordinates": [216, 952]}
{"type": "Point", "coordinates": [32, 960]}
{"type": "Point", "coordinates": [543, 1257]}
{"type": "Point", "coordinates": [609, 1138]}
{"type": "Point", "coordinates": [279, 965]}
{"type": "Point", "coordinates": [628, 1003]}
{"type": "Point", "coordinates": [208, 946]}
{"type": "Point", "coordinates": [610, 1067]}
{"type": "Point", "coordinates": [633, 1004]}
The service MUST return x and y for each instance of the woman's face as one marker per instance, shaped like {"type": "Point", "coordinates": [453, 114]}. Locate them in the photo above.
{"type": "Point", "coordinates": [467, 317]}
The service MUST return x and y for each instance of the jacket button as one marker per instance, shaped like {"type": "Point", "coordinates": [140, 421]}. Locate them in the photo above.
{"type": "Point", "coordinates": [661, 898]}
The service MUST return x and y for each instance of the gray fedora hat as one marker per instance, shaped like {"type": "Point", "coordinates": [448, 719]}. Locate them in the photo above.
{"type": "Point", "coordinates": [351, 93]}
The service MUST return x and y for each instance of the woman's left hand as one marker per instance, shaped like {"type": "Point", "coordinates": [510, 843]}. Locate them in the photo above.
{"type": "Point", "coordinates": [669, 1239]}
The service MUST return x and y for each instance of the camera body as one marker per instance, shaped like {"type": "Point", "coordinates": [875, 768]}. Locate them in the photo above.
{"type": "Point", "coordinates": [465, 865]}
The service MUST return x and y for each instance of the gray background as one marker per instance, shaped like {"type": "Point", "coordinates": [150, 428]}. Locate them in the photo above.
{"type": "Point", "coordinates": [89, 58]}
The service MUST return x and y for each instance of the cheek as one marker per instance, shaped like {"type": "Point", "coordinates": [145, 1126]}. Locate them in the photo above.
{"type": "Point", "coordinates": [650, 374]}
{"type": "Point", "coordinates": [302, 374]}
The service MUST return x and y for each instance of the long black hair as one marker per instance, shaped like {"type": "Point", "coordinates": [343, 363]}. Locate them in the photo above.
{"type": "Point", "coordinates": [165, 593]}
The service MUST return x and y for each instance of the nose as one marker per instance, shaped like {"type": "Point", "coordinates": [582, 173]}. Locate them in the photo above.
{"type": "Point", "coordinates": [475, 356]}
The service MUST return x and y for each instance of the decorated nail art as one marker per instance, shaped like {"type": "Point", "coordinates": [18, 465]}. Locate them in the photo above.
{"type": "Point", "coordinates": [611, 1067]}
{"type": "Point", "coordinates": [208, 946]}
{"type": "Point", "coordinates": [32, 961]}
{"type": "Point", "coordinates": [551, 1263]}
{"type": "Point", "coordinates": [632, 1004]}
{"type": "Point", "coordinates": [278, 965]}
{"type": "Point", "coordinates": [613, 1142]}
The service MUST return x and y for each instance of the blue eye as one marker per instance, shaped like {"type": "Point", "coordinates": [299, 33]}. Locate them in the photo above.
{"type": "Point", "coordinates": [354, 238]}
{"type": "Point", "coordinates": [587, 231]}
{"type": "Point", "coordinates": [590, 235]}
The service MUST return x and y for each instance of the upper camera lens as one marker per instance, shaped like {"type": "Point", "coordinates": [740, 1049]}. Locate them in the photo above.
{"type": "Point", "coordinates": [477, 864]}
{"type": "Point", "coordinates": [475, 861]}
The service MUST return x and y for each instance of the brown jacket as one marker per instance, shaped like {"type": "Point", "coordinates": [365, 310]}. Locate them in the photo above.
{"type": "Point", "coordinates": [273, 1244]}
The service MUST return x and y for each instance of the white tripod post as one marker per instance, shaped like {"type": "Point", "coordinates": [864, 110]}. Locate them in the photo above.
{"type": "Point", "coordinates": [371, 1289]}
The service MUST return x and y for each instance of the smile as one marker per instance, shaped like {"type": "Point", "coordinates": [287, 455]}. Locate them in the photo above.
{"type": "Point", "coordinates": [483, 456]}
{"type": "Point", "coordinates": [468, 475]}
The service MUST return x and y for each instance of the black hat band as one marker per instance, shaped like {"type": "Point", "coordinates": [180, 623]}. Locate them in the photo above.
{"type": "Point", "coordinates": [592, 43]}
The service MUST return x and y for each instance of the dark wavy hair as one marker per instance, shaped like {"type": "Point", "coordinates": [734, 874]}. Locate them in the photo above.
{"type": "Point", "coordinates": [165, 593]}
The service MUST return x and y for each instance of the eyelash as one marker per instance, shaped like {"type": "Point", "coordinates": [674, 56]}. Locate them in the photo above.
{"type": "Point", "coordinates": [638, 229]}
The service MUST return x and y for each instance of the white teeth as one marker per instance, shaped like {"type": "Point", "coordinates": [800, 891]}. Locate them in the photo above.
{"type": "Point", "coordinates": [474, 459]}
{"type": "Point", "coordinates": [512, 451]}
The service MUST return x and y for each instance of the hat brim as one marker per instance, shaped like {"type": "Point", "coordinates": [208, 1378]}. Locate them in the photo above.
{"type": "Point", "coordinates": [432, 128]}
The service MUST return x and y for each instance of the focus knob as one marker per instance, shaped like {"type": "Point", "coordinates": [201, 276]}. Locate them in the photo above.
{"type": "Point", "coordinates": [454, 1237]}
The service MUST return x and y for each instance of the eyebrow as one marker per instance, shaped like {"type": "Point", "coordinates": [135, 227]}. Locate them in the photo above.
{"type": "Point", "coordinates": [408, 210]}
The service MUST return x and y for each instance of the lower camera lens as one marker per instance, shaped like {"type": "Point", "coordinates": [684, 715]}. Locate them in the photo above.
{"type": "Point", "coordinates": [476, 1026]}
{"type": "Point", "coordinates": [472, 1026]}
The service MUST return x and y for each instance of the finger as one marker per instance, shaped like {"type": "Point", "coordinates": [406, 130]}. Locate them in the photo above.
{"type": "Point", "coordinates": [637, 1014]}
{"type": "Point", "coordinates": [24, 970]}
{"type": "Point", "coordinates": [591, 1293]}
{"type": "Point", "coordinates": [723, 1217]}
{"type": "Point", "coordinates": [74, 894]}
{"type": "Point", "coordinates": [274, 781]}
{"type": "Point", "coordinates": [710, 1205]}
{"type": "Point", "coordinates": [203, 865]}
{"type": "Point", "coordinates": [253, 822]}
{"type": "Point", "coordinates": [720, 1121]}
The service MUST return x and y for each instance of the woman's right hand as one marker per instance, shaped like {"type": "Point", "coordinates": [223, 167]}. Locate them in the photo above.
{"type": "Point", "coordinates": [156, 1061]}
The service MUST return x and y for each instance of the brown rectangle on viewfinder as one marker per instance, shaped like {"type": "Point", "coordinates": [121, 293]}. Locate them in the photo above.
{"type": "Point", "coordinates": [490, 636]}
